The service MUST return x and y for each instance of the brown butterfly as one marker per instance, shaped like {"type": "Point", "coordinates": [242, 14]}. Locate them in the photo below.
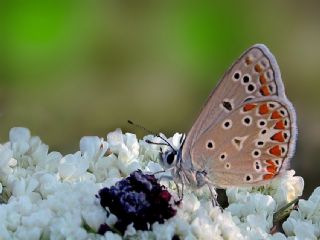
{"type": "Point", "coordinates": [246, 132]}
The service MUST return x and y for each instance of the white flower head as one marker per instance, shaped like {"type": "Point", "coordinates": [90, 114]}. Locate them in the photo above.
{"type": "Point", "coordinates": [19, 138]}
{"type": "Point", "coordinates": [126, 147]}
{"type": "Point", "coordinates": [93, 147]}
{"type": "Point", "coordinates": [73, 166]}
{"type": "Point", "coordinates": [52, 196]}
{"type": "Point", "coordinates": [37, 151]}
{"type": "Point", "coordinates": [148, 151]}
{"type": "Point", "coordinates": [115, 141]}
{"type": "Point", "coordinates": [6, 161]}
{"type": "Point", "coordinates": [19, 134]}
{"type": "Point", "coordinates": [176, 140]}
{"type": "Point", "coordinates": [305, 222]}
{"type": "Point", "coordinates": [132, 143]}
{"type": "Point", "coordinates": [287, 187]}
{"type": "Point", "coordinates": [24, 186]}
{"type": "Point", "coordinates": [49, 162]}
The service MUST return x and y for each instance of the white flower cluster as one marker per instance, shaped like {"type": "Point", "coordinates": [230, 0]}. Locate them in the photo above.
{"type": "Point", "coordinates": [304, 223]}
{"type": "Point", "coordinates": [45, 195]}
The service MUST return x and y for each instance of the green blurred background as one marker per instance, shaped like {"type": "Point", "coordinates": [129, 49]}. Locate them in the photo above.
{"type": "Point", "coordinates": [75, 68]}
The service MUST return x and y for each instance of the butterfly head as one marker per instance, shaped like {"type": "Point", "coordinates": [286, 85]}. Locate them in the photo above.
{"type": "Point", "coordinates": [170, 157]}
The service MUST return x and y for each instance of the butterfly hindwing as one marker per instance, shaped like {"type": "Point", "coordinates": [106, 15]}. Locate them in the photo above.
{"type": "Point", "coordinates": [250, 145]}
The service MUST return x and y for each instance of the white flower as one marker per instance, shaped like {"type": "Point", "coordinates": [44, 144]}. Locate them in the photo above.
{"type": "Point", "coordinates": [19, 138]}
{"type": "Point", "coordinates": [51, 196]}
{"type": "Point", "coordinates": [49, 184]}
{"type": "Point", "coordinates": [310, 209]}
{"type": "Point", "coordinates": [93, 217]}
{"type": "Point", "coordinates": [112, 236]}
{"type": "Point", "coordinates": [49, 162]}
{"type": "Point", "coordinates": [176, 140]}
{"type": "Point", "coordinates": [131, 142]}
{"type": "Point", "coordinates": [287, 188]}
{"type": "Point", "coordinates": [148, 151]}
{"type": "Point", "coordinates": [4, 233]}
{"type": "Point", "coordinates": [115, 141]}
{"type": "Point", "coordinates": [40, 218]}
{"type": "Point", "coordinates": [254, 218]}
{"type": "Point", "coordinates": [73, 166]}
{"type": "Point", "coordinates": [32, 233]}
{"type": "Point", "coordinates": [300, 229]}
{"type": "Point", "coordinates": [126, 147]}
{"type": "Point", "coordinates": [278, 236]}
{"type": "Point", "coordinates": [66, 226]}
{"type": "Point", "coordinates": [305, 222]}
{"type": "Point", "coordinates": [25, 187]}
{"type": "Point", "coordinates": [19, 134]}
{"type": "Point", "coordinates": [94, 150]}
{"type": "Point", "coordinates": [153, 168]}
{"type": "Point", "coordinates": [6, 161]}
{"type": "Point", "coordinates": [163, 231]}
{"type": "Point", "coordinates": [37, 151]}
{"type": "Point", "coordinates": [93, 147]}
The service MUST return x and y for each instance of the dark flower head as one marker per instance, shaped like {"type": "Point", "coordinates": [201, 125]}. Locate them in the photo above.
{"type": "Point", "coordinates": [104, 228]}
{"type": "Point", "coordinates": [134, 202]}
{"type": "Point", "coordinates": [137, 199]}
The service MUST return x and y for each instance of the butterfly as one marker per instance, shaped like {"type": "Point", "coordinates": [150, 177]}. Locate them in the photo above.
{"type": "Point", "coordinates": [245, 133]}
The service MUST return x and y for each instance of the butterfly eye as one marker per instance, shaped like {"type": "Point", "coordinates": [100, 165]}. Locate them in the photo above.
{"type": "Point", "coordinates": [170, 158]}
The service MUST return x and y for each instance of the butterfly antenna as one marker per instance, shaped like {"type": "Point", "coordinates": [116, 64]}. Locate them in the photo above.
{"type": "Point", "coordinates": [153, 133]}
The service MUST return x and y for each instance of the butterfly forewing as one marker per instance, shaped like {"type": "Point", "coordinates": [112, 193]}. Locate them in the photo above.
{"type": "Point", "coordinates": [249, 146]}
{"type": "Point", "coordinates": [255, 75]}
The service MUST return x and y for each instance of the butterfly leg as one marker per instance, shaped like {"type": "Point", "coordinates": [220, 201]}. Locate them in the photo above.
{"type": "Point", "coordinates": [182, 191]}
{"type": "Point", "coordinates": [182, 179]}
{"type": "Point", "coordinates": [180, 194]}
{"type": "Point", "coordinates": [164, 176]}
{"type": "Point", "coordinates": [158, 172]}
{"type": "Point", "coordinates": [178, 189]}
{"type": "Point", "coordinates": [214, 196]}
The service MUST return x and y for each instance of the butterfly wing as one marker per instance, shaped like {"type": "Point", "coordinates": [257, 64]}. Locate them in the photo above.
{"type": "Point", "coordinates": [254, 75]}
{"type": "Point", "coordinates": [250, 145]}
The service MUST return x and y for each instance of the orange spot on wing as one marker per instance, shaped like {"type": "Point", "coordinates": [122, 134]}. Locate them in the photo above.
{"type": "Point", "coordinates": [249, 107]}
{"type": "Point", "coordinates": [262, 79]}
{"type": "Point", "coordinates": [278, 137]}
{"type": "Point", "coordinates": [275, 151]}
{"type": "Point", "coordinates": [276, 115]}
{"type": "Point", "coordinates": [269, 162]}
{"type": "Point", "coordinates": [272, 169]}
{"type": "Point", "coordinates": [263, 109]}
{"type": "Point", "coordinates": [279, 125]}
{"type": "Point", "coordinates": [258, 68]}
{"type": "Point", "coordinates": [268, 176]}
{"type": "Point", "coordinates": [264, 90]}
